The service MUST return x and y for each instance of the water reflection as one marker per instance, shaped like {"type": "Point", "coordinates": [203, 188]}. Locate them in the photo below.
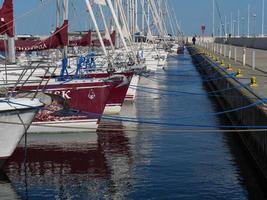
{"type": "Point", "coordinates": [7, 192]}
{"type": "Point", "coordinates": [148, 164]}
{"type": "Point", "coordinates": [77, 165]}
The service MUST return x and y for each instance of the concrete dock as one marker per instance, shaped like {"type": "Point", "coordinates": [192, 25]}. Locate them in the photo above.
{"type": "Point", "coordinates": [233, 80]}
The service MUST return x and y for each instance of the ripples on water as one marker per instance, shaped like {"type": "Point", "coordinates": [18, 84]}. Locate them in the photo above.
{"type": "Point", "coordinates": [147, 164]}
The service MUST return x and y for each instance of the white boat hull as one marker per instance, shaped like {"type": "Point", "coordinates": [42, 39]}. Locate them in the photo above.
{"type": "Point", "coordinates": [112, 109]}
{"type": "Point", "coordinates": [131, 93]}
{"type": "Point", "coordinates": [68, 126]}
{"type": "Point", "coordinates": [15, 118]}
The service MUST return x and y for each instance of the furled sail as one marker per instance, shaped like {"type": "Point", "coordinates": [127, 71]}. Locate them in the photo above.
{"type": "Point", "coordinates": [58, 39]}
{"type": "Point", "coordinates": [6, 18]}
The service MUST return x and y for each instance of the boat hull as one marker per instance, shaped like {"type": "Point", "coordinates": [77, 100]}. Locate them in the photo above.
{"type": "Point", "coordinates": [68, 126]}
{"type": "Point", "coordinates": [131, 93]}
{"type": "Point", "coordinates": [112, 109]}
{"type": "Point", "coordinates": [14, 122]}
{"type": "Point", "coordinates": [84, 96]}
{"type": "Point", "coordinates": [118, 94]}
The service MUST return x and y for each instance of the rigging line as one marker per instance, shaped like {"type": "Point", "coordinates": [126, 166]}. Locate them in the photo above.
{"type": "Point", "coordinates": [220, 16]}
{"type": "Point", "coordinates": [208, 80]}
{"type": "Point", "coordinates": [150, 91]}
{"type": "Point", "coordinates": [90, 114]}
{"type": "Point", "coordinates": [210, 129]}
{"type": "Point", "coordinates": [186, 92]}
{"type": "Point", "coordinates": [204, 77]}
{"type": "Point", "coordinates": [152, 129]}
{"type": "Point", "coordinates": [134, 120]}
{"type": "Point", "coordinates": [188, 125]}
{"type": "Point", "coordinates": [172, 83]}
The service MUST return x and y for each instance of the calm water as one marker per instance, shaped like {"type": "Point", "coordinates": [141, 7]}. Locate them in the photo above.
{"type": "Point", "coordinates": [148, 164]}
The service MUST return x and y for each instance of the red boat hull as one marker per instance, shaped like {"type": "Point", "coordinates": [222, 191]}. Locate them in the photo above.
{"type": "Point", "coordinates": [85, 97]}
{"type": "Point", "coordinates": [80, 100]}
{"type": "Point", "coordinates": [118, 94]}
{"type": "Point", "coordinates": [2, 161]}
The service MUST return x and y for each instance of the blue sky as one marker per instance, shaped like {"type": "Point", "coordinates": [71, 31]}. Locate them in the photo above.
{"type": "Point", "coordinates": [191, 13]}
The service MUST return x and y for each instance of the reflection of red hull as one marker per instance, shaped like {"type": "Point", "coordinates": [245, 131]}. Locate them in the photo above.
{"type": "Point", "coordinates": [180, 50]}
{"type": "Point", "coordinates": [87, 161]}
{"type": "Point", "coordinates": [2, 161]}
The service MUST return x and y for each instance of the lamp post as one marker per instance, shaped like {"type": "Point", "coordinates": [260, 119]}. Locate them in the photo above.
{"type": "Point", "coordinates": [231, 23]}
{"type": "Point", "coordinates": [213, 18]}
{"type": "Point", "coordinates": [234, 27]}
{"type": "Point", "coordinates": [228, 28]}
{"type": "Point", "coordinates": [225, 25]}
{"type": "Point", "coordinates": [262, 18]}
{"type": "Point", "coordinates": [254, 24]}
{"type": "Point", "coordinates": [238, 22]}
{"type": "Point", "coordinates": [243, 26]}
{"type": "Point", "coordinates": [248, 20]}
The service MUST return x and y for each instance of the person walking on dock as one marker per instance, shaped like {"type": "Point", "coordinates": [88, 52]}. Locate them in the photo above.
{"type": "Point", "coordinates": [194, 40]}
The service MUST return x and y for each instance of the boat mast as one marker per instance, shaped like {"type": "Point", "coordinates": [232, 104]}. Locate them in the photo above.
{"type": "Point", "coordinates": [143, 16]}
{"type": "Point", "coordinates": [132, 18]}
{"type": "Point", "coordinates": [11, 54]}
{"type": "Point", "coordinates": [106, 27]}
{"type": "Point", "coordinates": [11, 58]}
{"type": "Point", "coordinates": [136, 16]}
{"type": "Point", "coordinates": [146, 19]}
{"type": "Point", "coordinates": [66, 14]}
{"type": "Point", "coordinates": [58, 13]}
{"type": "Point", "coordinates": [148, 14]}
{"type": "Point", "coordinates": [125, 27]}
{"type": "Point", "coordinates": [169, 18]}
{"type": "Point", "coordinates": [117, 24]}
{"type": "Point", "coordinates": [89, 7]}
{"type": "Point", "coordinates": [65, 48]}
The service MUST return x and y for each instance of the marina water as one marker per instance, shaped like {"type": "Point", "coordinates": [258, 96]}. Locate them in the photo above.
{"type": "Point", "coordinates": [154, 162]}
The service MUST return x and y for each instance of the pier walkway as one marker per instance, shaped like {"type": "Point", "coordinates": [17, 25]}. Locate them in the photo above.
{"type": "Point", "coordinates": [251, 62]}
{"type": "Point", "coordinates": [233, 79]}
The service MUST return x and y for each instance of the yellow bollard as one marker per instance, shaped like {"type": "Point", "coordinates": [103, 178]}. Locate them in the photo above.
{"type": "Point", "coordinates": [238, 73]}
{"type": "Point", "coordinates": [253, 82]}
{"type": "Point", "coordinates": [229, 67]}
{"type": "Point", "coordinates": [222, 63]}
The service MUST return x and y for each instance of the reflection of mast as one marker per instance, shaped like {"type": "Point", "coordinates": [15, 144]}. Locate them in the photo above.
{"type": "Point", "coordinates": [66, 13]}
{"type": "Point", "coordinates": [73, 157]}
{"type": "Point", "coordinates": [116, 146]}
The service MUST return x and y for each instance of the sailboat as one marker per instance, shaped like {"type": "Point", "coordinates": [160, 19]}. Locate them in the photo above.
{"type": "Point", "coordinates": [78, 101]}
{"type": "Point", "coordinates": [16, 114]}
